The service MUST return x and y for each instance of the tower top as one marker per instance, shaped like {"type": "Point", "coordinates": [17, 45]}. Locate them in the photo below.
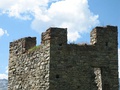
{"type": "Point", "coordinates": [56, 65]}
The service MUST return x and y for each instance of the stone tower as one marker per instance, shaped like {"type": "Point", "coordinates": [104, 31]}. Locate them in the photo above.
{"type": "Point", "coordinates": [56, 65]}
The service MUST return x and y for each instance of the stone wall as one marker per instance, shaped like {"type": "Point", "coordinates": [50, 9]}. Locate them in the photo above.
{"type": "Point", "coordinates": [29, 68]}
{"type": "Point", "coordinates": [56, 65]}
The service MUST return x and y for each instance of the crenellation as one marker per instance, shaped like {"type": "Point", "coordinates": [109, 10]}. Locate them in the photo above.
{"type": "Point", "coordinates": [52, 35]}
{"type": "Point", "coordinates": [22, 45]}
{"type": "Point", "coordinates": [56, 65]}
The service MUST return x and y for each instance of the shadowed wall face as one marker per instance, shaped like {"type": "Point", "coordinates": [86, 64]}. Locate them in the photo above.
{"type": "Point", "coordinates": [56, 65]}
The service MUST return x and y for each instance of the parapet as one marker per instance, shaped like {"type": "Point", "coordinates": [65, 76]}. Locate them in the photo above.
{"type": "Point", "coordinates": [104, 37]}
{"type": "Point", "coordinates": [54, 35]}
{"type": "Point", "coordinates": [108, 27]}
{"type": "Point", "coordinates": [22, 45]}
{"type": "Point", "coordinates": [100, 29]}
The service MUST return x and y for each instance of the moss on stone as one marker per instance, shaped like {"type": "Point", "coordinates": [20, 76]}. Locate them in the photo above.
{"type": "Point", "coordinates": [34, 48]}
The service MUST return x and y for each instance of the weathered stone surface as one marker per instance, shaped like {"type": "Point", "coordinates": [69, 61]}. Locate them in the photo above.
{"type": "Point", "coordinates": [56, 65]}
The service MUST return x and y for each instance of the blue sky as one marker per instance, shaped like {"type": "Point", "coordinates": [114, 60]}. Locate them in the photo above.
{"type": "Point", "coordinates": [22, 18]}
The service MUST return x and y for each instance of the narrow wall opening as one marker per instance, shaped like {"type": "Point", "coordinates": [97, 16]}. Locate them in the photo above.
{"type": "Point", "coordinates": [106, 44]}
{"type": "Point", "coordinates": [98, 78]}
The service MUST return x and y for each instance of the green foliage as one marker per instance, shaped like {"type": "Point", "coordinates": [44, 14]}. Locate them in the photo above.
{"type": "Point", "coordinates": [34, 48]}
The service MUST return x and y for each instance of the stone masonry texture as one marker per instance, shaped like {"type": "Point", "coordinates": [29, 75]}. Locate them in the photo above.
{"type": "Point", "coordinates": [56, 65]}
